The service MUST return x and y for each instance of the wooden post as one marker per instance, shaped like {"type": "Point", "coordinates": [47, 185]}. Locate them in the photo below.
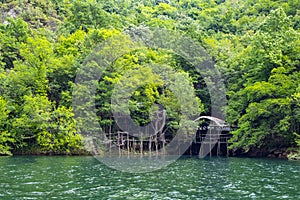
{"type": "Point", "coordinates": [227, 152]}
{"type": "Point", "coordinates": [122, 142]}
{"type": "Point", "coordinates": [210, 153]}
{"type": "Point", "coordinates": [141, 144]}
{"type": "Point", "coordinates": [133, 145]}
{"type": "Point", "coordinates": [128, 143]}
{"type": "Point", "coordinates": [219, 148]}
{"type": "Point", "coordinates": [109, 136]}
{"type": "Point", "coordinates": [200, 150]}
{"type": "Point", "coordinates": [156, 145]}
{"type": "Point", "coordinates": [118, 142]}
{"type": "Point", "coordinates": [150, 145]}
{"type": "Point", "coordinates": [156, 133]}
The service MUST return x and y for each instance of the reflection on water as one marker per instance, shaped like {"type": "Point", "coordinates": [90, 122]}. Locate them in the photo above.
{"type": "Point", "coordinates": [188, 178]}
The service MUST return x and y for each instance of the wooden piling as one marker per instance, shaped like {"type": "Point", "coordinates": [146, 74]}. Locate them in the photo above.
{"type": "Point", "coordinates": [118, 143]}
{"type": "Point", "coordinates": [150, 145]}
{"type": "Point", "coordinates": [219, 148]}
{"type": "Point", "coordinates": [128, 143]}
{"type": "Point", "coordinates": [141, 144]}
{"type": "Point", "coordinates": [133, 145]}
{"type": "Point", "coordinates": [156, 145]}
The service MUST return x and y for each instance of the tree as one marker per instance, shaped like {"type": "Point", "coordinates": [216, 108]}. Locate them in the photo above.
{"type": "Point", "coordinates": [61, 135]}
{"type": "Point", "coordinates": [261, 106]}
{"type": "Point", "coordinates": [12, 35]}
{"type": "Point", "coordinates": [6, 138]}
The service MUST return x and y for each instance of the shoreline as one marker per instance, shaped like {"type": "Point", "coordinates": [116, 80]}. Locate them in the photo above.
{"type": "Point", "coordinates": [280, 154]}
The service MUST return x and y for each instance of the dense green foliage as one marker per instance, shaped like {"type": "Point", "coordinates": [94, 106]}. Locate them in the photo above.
{"type": "Point", "coordinates": [255, 45]}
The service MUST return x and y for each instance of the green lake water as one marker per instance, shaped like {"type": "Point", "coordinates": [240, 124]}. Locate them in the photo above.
{"type": "Point", "coordinates": [31, 177]}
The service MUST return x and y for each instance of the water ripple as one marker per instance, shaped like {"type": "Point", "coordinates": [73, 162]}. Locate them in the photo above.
{"type": "Point", "coordinates": [188, 178]}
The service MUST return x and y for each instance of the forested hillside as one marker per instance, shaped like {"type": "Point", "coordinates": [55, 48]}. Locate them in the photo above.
{"type": "Point", "coordinates": [255, 44]}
